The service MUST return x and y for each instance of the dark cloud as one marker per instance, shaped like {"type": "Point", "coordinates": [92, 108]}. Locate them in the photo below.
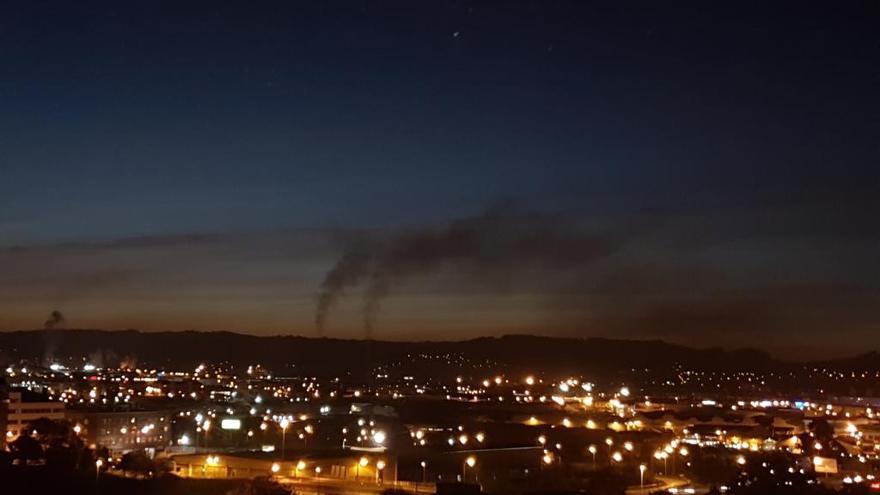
{"type": "Point", "coordinates": [136, 242]}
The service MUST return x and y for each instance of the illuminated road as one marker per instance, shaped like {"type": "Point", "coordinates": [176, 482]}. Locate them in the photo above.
{"type": "Point", "coordinates": [338, 487]}
{"type": "Point", "coordinates": [666, 482]}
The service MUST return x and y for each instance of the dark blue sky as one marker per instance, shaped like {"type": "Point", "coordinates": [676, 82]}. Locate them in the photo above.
{"type": "Point", "coordinates": [747, 130]}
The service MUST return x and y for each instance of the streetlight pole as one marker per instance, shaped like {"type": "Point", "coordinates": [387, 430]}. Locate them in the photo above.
{"type": "Point", "coordinates": [361, 463]}
{"type": "Point", "coordinates": [284, 424]}
{"type": "Point", "coordinates": [471, 461]}
{"type": "Point", "coordinates": [98, 464]}
{"type": "Point", "coordinates": [380, 465]}
{"type": "Point", "coordinates": [641, 477]}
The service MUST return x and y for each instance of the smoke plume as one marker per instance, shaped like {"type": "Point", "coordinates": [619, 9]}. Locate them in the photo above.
{"type": "Point", "coordinates": [56, 320]}
{"type": "Point", "coordinates": [501, 239]}
{"type": "Point", "coordinates": [348, 271]}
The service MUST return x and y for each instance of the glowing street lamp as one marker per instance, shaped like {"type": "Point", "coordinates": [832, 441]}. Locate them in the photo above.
{"type": "Point", "coordinates": [361, 463]}
{"type": "Point", "coordinates": [424, 471]}
{"type": "Point", "coordinates": [471, 461]}
{"type": "Point", "coordinates": [380, 465]}
{"type": "Point", "coordinates": [617, 457]}
{"type": "Point", "coordinates": [284, 424]}
{"type": "Point", "coordinates": [299, 467]}
{"type": "Point", "coordinates": [642, 469]}
{"type": "Point", "coordinates": [205, 427]}
{"type": "Point", "coordinates": [592, 450]}
{"type": "Point", "coordinates": [98, 464]}
{"type": "Point", "coordinates": [276, 467]}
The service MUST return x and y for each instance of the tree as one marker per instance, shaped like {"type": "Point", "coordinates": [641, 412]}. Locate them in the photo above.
{"type": "Point", "coordinates": [822, 429]}
{"type": "Point", "coordinates": [26, 448]}
{"type": "Point", "coordinates": [50, 429]}
{"type": "Point", "coordinates": [137, 462]}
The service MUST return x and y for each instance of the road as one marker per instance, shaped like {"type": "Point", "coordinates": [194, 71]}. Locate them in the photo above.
{"type": "Point", "coordinates": [328, 486]}
{"type": "Point", "coordinates": [666, 482]}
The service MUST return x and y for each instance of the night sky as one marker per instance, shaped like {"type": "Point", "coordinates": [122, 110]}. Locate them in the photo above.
{"type": "Point", "coordinates": [700, 173]}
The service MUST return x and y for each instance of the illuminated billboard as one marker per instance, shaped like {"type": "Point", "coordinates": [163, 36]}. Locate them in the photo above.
{"type": "Point", "coordinates": [230, 424]}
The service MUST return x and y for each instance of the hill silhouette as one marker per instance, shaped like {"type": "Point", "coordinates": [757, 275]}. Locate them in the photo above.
{"type": "Point", "coordinates": [300, 355]}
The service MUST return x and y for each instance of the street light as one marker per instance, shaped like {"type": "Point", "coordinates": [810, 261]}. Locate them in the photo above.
{"type": "Point", "coordinates": [299, 467]}
{"type": "Point", "coordinates": [424, 471]}
{"type": "Point", "coordinates": [361, 463]}
{"type": "Point", "coordinates": [284, 424]}
{"type": "Point", "coordinates": [380, 465]}
{"type": "Point", "coordinates": [205, 427]}
{"type": "Point", "coordinates": [471, 461]}
{"type": "Point", "coordinates": [617, 457]}
{"type": "Point", "coordinates": [98, 464]}
{"type": "Point", "coordinates": [592, 450]}
{"type": "Point", "coordinates": [642, 477]}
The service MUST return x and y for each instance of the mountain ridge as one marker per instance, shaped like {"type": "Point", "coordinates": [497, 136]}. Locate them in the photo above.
{"type": "Point", "coordinates": [296, 353]}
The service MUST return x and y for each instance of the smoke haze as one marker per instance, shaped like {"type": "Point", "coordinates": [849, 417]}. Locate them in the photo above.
{"type": "Point", "coordinates": [500, 239]}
